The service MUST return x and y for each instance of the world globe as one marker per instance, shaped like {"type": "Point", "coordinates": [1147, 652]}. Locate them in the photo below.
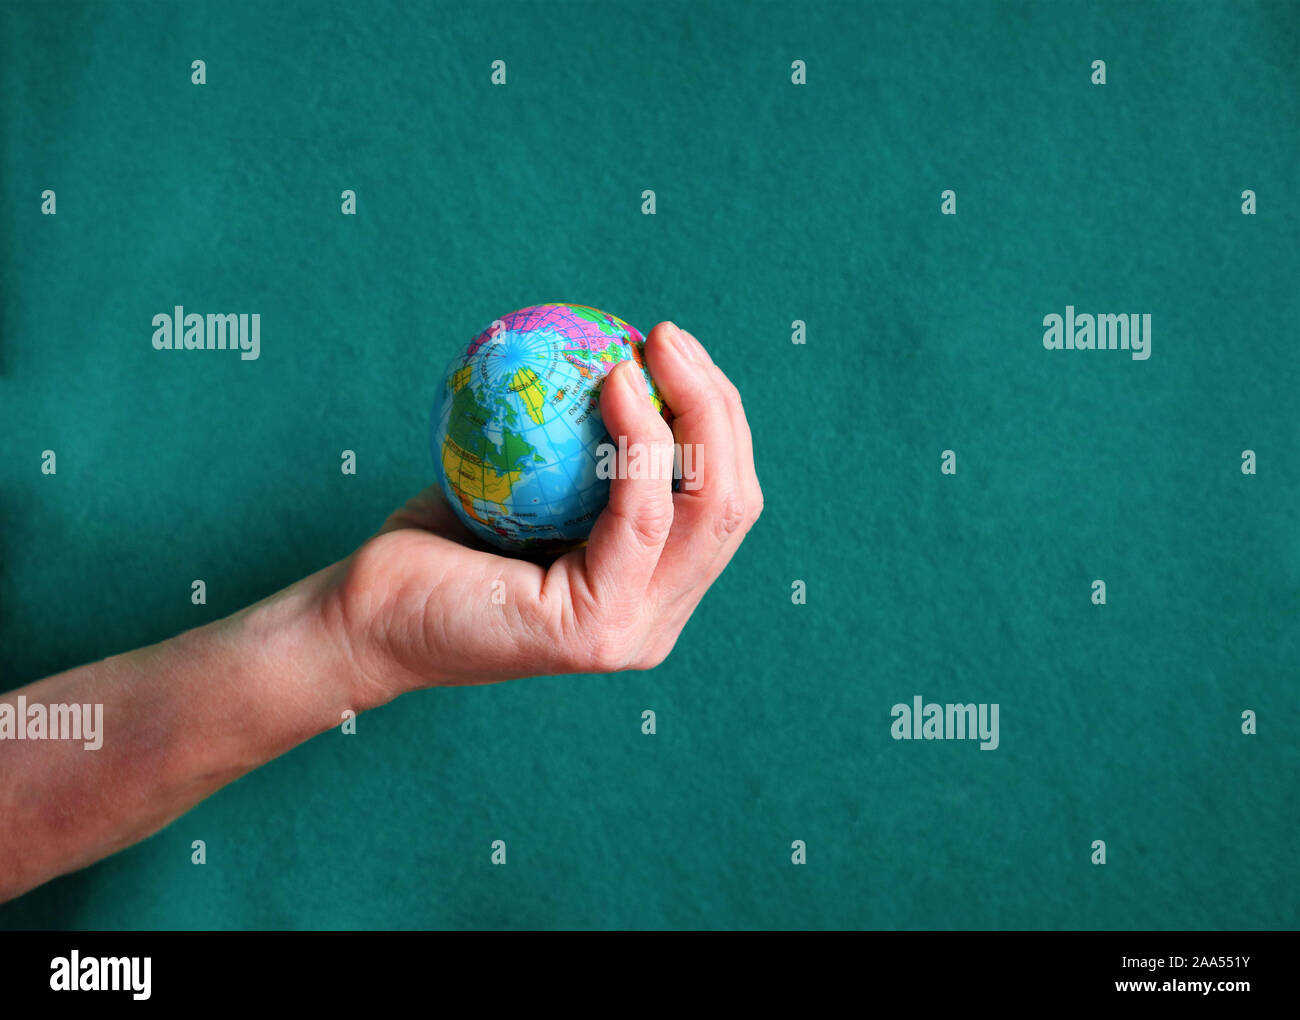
{"type": "Point", "coordinates": [516, 430]}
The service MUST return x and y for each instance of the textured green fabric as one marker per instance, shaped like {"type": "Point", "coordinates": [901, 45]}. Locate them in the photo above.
{"type": "Point", "coordinates": [776, 203]}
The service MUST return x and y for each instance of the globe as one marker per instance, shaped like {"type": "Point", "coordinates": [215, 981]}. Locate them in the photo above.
{"type": "Point", "coordinates": [516, 429]}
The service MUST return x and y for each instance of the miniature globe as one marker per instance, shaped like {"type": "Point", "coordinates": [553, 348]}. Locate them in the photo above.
{"type": "Point", "coordinates": [516, 429]}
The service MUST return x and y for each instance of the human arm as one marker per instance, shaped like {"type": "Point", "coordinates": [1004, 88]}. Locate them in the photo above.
{"type": "Point", "coordinates": [414, 607]}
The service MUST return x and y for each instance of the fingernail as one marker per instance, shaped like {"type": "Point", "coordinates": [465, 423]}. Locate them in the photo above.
{"type": "Point", "coordinates": [698, 350]}
{"type": "Point", "coordinates": [681, 343]}
{"type": "Point", "coordinates": [636, 380]}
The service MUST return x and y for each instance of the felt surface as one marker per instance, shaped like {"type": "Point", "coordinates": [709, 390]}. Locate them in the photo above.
{"type": "Point", "coordinates": [775, 202]}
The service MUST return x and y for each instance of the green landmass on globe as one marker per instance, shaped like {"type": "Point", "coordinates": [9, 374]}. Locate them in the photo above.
{"type": "Point", "coordinates": [516, 428]}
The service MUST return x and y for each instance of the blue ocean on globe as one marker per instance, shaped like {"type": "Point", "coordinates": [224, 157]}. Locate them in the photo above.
{"type": "Point", "coordinates": [516, 428]}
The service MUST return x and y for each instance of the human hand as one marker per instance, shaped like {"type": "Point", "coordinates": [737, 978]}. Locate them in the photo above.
{"type": "Point", "coordinates": [415, 604]}
{"type": "Point", "coordinates": [413, 607]}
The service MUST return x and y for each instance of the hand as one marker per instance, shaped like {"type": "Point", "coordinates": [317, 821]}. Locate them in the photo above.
{"type": "Point", "coordinates": [416, 606]}
{"type": "Point", "coordinates": [412, 607]}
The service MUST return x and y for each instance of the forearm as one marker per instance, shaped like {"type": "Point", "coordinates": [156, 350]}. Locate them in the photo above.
{"type": "Point", "coordinates": [180, 720]}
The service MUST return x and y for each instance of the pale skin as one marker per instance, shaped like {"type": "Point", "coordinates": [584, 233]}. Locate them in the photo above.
{"type": "Point", "coordinates": [410, 609]}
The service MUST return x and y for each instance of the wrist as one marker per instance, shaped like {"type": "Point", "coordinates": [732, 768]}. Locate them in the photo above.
{"type": "Point", "coordinates": [353, 623]}
{"type": "Point", "coordinates": [369, 619]}
{"type": "Point", "coordinates": [275, 674]}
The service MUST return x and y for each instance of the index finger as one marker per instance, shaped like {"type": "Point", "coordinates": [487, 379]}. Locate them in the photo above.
{"type": "Point", "coordinates": [629, 535]}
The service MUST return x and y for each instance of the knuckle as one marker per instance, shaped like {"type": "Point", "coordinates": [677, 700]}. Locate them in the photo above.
{"type": "Point", "coordinates": [651, 528]}
{"type": "Point", "coordinates": [730, 516]}
{"type": "Point", "coordinates": [661, 433]}
{"type": "Point", "coordinates": [651, 522]}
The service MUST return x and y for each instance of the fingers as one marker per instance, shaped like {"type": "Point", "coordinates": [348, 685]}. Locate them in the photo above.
{"type": "Point", "coordinates": [622, 601]}
{"type": "Point", "coordinates": [628, 537]}
{"type": "Point", "coordinates": [713, 509]}
{"type": "Point", "coordinates": [746, 474]}
{"type": "Point", "coordinates": [685, 375]}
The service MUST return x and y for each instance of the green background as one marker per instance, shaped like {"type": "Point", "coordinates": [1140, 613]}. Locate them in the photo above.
{"type": "Point", "coordinates": [775, 203]}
